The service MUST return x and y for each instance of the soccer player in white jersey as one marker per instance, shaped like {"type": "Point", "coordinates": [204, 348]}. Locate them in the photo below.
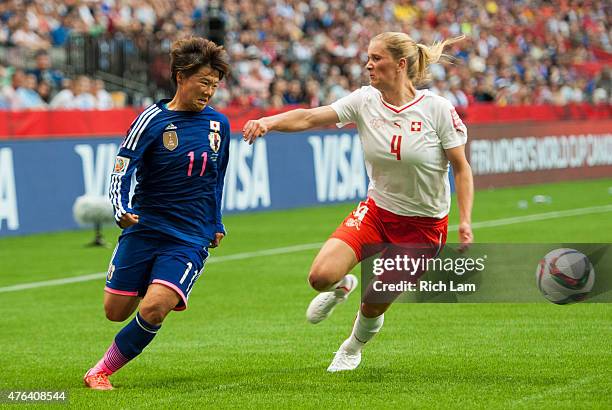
{"type": "Point", "coordinates": [408, 136]}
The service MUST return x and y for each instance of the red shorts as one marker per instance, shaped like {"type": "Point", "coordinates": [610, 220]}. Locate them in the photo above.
{"type": "Point", "coordinates": [369, 225]}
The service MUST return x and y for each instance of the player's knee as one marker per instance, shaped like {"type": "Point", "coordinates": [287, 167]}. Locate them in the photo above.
{"type": "Point", "coordinates": [153, 313]}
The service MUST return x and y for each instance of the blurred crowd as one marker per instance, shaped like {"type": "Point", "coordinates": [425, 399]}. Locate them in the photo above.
{"type": "Point", "coordinates": [43, 87]}
{"type": "Point", "coordinates": [312, 52]}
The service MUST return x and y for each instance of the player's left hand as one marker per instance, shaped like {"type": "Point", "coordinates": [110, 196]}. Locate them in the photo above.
{"type": "Point", "coordinates": [466, 237]}
{"type": "Point", "coordinates": [218, 237]}
{"type": "Point", "coordinates": [254, 129]}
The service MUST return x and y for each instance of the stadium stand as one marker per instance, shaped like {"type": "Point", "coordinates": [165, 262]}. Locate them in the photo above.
{"type": "Point", "coordinates": [305, 52]}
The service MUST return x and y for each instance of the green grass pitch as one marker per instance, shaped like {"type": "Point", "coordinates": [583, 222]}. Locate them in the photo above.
{"type": "Point", "coordinates": [244, 341]}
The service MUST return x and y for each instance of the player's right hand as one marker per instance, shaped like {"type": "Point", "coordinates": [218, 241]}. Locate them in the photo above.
{"type": "Point", "coordinates": [254, 129]}
{"type": "Point", "coordinates": [128, 220]}
{"type": "Point", "coordinates": [466, 237]}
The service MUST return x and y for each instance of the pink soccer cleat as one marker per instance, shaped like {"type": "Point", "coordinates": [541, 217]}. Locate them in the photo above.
{"type": "Point", "coordinates": [97, 381]}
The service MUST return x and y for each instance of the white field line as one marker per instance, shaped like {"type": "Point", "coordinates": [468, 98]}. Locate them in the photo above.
{"type": "Point", "coordinates": [217, 259]}
{"type": "Point", "coordinates": [310, 246]}
{"type": "Point", "coordinates": [553, 392]}
{"type": "Point", "coordinates": [540, 217]}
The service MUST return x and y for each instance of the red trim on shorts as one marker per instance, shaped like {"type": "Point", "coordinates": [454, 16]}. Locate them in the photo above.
{"type": "Point", "coordinates": [120, 292]}
{"type": "Point", "coordinates": [176, 289]}
{"type": "Point", "coordinates": [395, 110]}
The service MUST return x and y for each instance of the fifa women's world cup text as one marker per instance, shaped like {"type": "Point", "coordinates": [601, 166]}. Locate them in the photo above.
{"type": "Point", "coordinates": [180, 149]}
{"type": "Point", "coordinates": [409, 137]}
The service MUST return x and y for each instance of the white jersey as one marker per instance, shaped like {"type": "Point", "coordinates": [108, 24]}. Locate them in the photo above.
{"type": "Point", "coordinates": [404, 149]}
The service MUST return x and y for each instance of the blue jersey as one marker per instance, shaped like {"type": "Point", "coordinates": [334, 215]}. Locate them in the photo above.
{"type": "Point", "coordinates": [180, 158]}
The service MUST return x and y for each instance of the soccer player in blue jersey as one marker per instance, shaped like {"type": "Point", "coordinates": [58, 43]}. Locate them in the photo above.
{"type": "Point", "coordinates": [179, 150]}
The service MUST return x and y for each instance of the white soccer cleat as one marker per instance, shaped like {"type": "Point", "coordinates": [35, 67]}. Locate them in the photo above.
{"type": "Point", "coordinates": [343, 360]}
{"type": "Point", "coordinates": [324, 303]}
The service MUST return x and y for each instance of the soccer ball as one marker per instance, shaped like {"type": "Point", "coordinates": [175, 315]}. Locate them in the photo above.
{"type": "Point", "coordinates": [565, 276]}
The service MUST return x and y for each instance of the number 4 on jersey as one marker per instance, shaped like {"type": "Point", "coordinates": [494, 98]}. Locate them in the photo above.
{"type": "Point", "coordinates": [396, 146]}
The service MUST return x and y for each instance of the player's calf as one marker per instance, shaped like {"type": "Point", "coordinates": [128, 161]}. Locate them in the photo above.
{"type": "Point", "coordinates": [115, 315]}
{"type": "Point", "coordinates": [119, 307]}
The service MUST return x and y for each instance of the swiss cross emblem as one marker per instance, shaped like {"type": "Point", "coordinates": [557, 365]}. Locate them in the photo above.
{"type": "Point", "coordinates": [415, 126]}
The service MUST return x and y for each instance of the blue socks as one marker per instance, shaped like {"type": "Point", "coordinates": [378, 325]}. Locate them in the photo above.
{"type": "Point", "coordinates": [135, 336]}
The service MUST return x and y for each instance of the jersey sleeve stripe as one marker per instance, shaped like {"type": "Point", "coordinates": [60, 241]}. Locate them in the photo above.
{"type": "Point", "coordinates": [141, 129]}
{"type": "Point", "coordinates": [115, 196]}
{"type": "Point", "coordinates": [138, 124]}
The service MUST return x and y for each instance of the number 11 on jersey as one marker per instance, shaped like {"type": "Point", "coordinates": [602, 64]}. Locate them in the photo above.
{"type": "Point", "coordinates": [191, 156]}
{"type": "Point", "coordinates": [396, 146]}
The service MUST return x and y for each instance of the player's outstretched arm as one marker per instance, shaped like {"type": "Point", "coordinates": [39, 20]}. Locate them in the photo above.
{"type": "Point", "coordinates": [290, 121]}
{"type": "Point", "coordinates": [464, 184]}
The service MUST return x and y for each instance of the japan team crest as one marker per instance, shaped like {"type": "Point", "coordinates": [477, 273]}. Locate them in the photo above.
{"type": "Point", "coordinates": [170, 140]}
{"type": "Point", "coordinates": [215, 141]}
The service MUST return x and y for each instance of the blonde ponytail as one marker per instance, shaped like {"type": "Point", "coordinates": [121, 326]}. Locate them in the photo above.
{"type": "Point", "coordinates": [431, 55]}
{"type": "Point", "coordinates": [419, 56]}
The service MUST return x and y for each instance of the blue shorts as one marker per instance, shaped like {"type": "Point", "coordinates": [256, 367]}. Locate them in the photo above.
{"type": "Point", "coordinates": [146, 257]}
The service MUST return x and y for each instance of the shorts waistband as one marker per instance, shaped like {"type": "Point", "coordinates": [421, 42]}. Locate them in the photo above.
{"type": "Point", "coordinates": [416, 220]}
